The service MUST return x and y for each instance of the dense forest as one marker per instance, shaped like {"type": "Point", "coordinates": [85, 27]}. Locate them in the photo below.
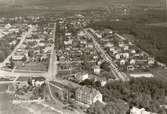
{"type": "Point", "coordinates": [142, 93]}
{"type": "Point", "coordinates": [150, 38]}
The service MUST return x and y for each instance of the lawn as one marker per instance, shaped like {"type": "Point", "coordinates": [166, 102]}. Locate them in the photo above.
{"type": "Point", "coordinates": [159, 73]}
{"type": "Point", "coordinates": [163, 24]}
{"type": "Point", "coordinates": [32, 66]}
{"type": "Point", "coordinates": [6, 106]}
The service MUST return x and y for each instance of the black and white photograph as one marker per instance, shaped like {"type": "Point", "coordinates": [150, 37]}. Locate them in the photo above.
{"type": "Point", "coordinates": [83, 56]}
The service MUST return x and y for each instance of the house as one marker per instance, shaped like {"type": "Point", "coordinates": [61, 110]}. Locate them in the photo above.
{"type": "Point", "coordinates": [135, 110]}
{"type": "Point", "coordinates": [115, 51]}
{"type": "Point", "coordinates": [126, 55]}
{"type": "Point", "coordinates": [88, 95]}
{"type": "Point", "coordinates": [81, 76]}
{"type": "Point", "coordinates": [41, 44]}
{"type": "Point", "coordinates": [132, 62]}
{"type": "Point", "coordinates": [37, 81]}
{"type": "Point", "coordinates": [68, 34]}
{"type": "Point", "coordinates": [44, 57]}
{"type": "Point", "coordinates": [97, 69]}
{"type": "Point", "coordinates": [103, 83]}
{"type": "Point", "coordinates": [81, 34]}
{"type": "Point", "coordinates": [133, 51]}
{"type": "Point", "coordinates": [17, 57]}
{"type": "Point", "coordinates": [126, 48]}
{"type": "Point", "coordinates": [112, 49]}
{"type": "Point", "coordinates": [130, 68]}
{"type": "Point", "coordinates": [95, 57]}
{"type": "Point", "coordinates": [99, 36]}
{"type": "Point", "coordinates": [83, 41]}
{"type": "Point", "coordinates": [118, 56]}
{"type": "Point", "coordinates": [121, 44]}
{"type": "Point", "coordinates": [122, 62]}
{"type": "Point", "coordinates": [13, 42]}
{"type": "Point", "coordinates": [151, 60]}
{"type": "Point", "coordinates": [47, 49]}
{"type": "Point", "coordinates": [62, 58]}
{"type": "Point", "coordinates": [90, 45]}
{"type": "Point", "coordinates": [7, 26]}
{"type": "Point", "coordinates": [108, 44]}
{"type": "Point", "coordinates": [69, 42]}
{"type": "Point", "coordinates": [130, 43]}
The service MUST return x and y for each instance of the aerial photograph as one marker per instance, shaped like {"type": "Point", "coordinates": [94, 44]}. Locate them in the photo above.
{"type": "Point", "coordinates": [83, 56]}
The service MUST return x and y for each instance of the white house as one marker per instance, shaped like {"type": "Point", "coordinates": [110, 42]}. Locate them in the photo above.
{"type": "Point", "coordinates": [69, 42]}
{"type": "Point", "coordinates": [17, 57]}
{"type": "Point", "coordinates": [151, 60]}
{"type": "Point", "coordinates": [126, 55]}
{"type": "Point", "coordinates": [97, 69]}
{"type": "Point", "coordinates": [81, 76]}
{"type": "Point", "coordinates": [7, 26]}
{"type": "Point", "coordinates": [81, 33]}
{"type": "Point", "coordinates": [132, 61]}
{"type": "Point", "coordinates": [133, 51]}
{"type": "Point", "coordinates": [68, 34]}
{"type": "Point", "coordinates": [122, 62]}
{"type": "Point", "coordinates": [108, 44]}
{"type": "Point", "coordinates": [121, 44]}
{"type": "Point", "coordinates": [118, 56]}
{"type": "Point", "coordinates": [126, 48]}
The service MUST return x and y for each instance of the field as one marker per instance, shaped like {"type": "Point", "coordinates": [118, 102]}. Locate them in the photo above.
{"type": "Point", "coordinates": [32, 67]}
{"type": "Point", "coordinates": [159, 73]}
{"type": "Point", "coordinates": [6, 107]}
{"type": "Point", "coordinates": [163, 24]}
{"type": "Point", "coordinates": [37, 5]}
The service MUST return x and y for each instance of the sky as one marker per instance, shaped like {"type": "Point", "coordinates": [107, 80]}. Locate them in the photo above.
{"type": "Point", "coordinates": [88, 3]}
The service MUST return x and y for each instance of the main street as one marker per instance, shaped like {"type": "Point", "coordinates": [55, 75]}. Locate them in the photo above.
{"type": "Point", "coordinates": [52, 70]}
{"type": "Point", "coordinates": [119, 75]}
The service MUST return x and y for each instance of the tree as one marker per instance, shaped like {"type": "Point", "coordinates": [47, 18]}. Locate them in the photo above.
{"type": "Point", "coordinates": [11, 63]}
{"type": "Point", "coordinates": [30, 53]}
{"type": "Point", "coordinates": [105, 66]}
{"type": "Point", "coordinates": [113, 107]}
{"type": "Point", "coordinates": [24, 59]}
{"type": "Point", "coordinates": [142, 92]}
{"type": "Point", "coordinates": [85, 64]}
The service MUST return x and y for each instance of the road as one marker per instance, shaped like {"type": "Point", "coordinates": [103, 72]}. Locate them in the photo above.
{"type": "Point", "coordinates": [119, 36]}
{"type": "Point", "coordinates": [71, 62]}
{"type": "Point", "coordinates": [52, 70]}
{"type": "Point", "coordinates": [24, 36]}
{"type": "Point", "coordinates": [119, 75]}
{"type": "Point", "coordinates": [22, 74]}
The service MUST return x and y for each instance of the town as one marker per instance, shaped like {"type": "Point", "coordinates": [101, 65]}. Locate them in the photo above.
{"type": "Point", "coordinates": [58, 65]}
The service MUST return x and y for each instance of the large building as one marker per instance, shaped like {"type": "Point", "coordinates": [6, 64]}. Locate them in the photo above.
{"type": "Point", "coordinates": [88, 95]}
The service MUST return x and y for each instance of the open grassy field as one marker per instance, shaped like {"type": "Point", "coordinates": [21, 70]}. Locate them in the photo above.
{"type": "Point", "coordinates": [78, 4]}
{"type": "Point", "coordinates": [163, 24]}
{"type": "Point", "coordinates": [32, 66]}
{"type": "Point", "coordinates": [6, 106]}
